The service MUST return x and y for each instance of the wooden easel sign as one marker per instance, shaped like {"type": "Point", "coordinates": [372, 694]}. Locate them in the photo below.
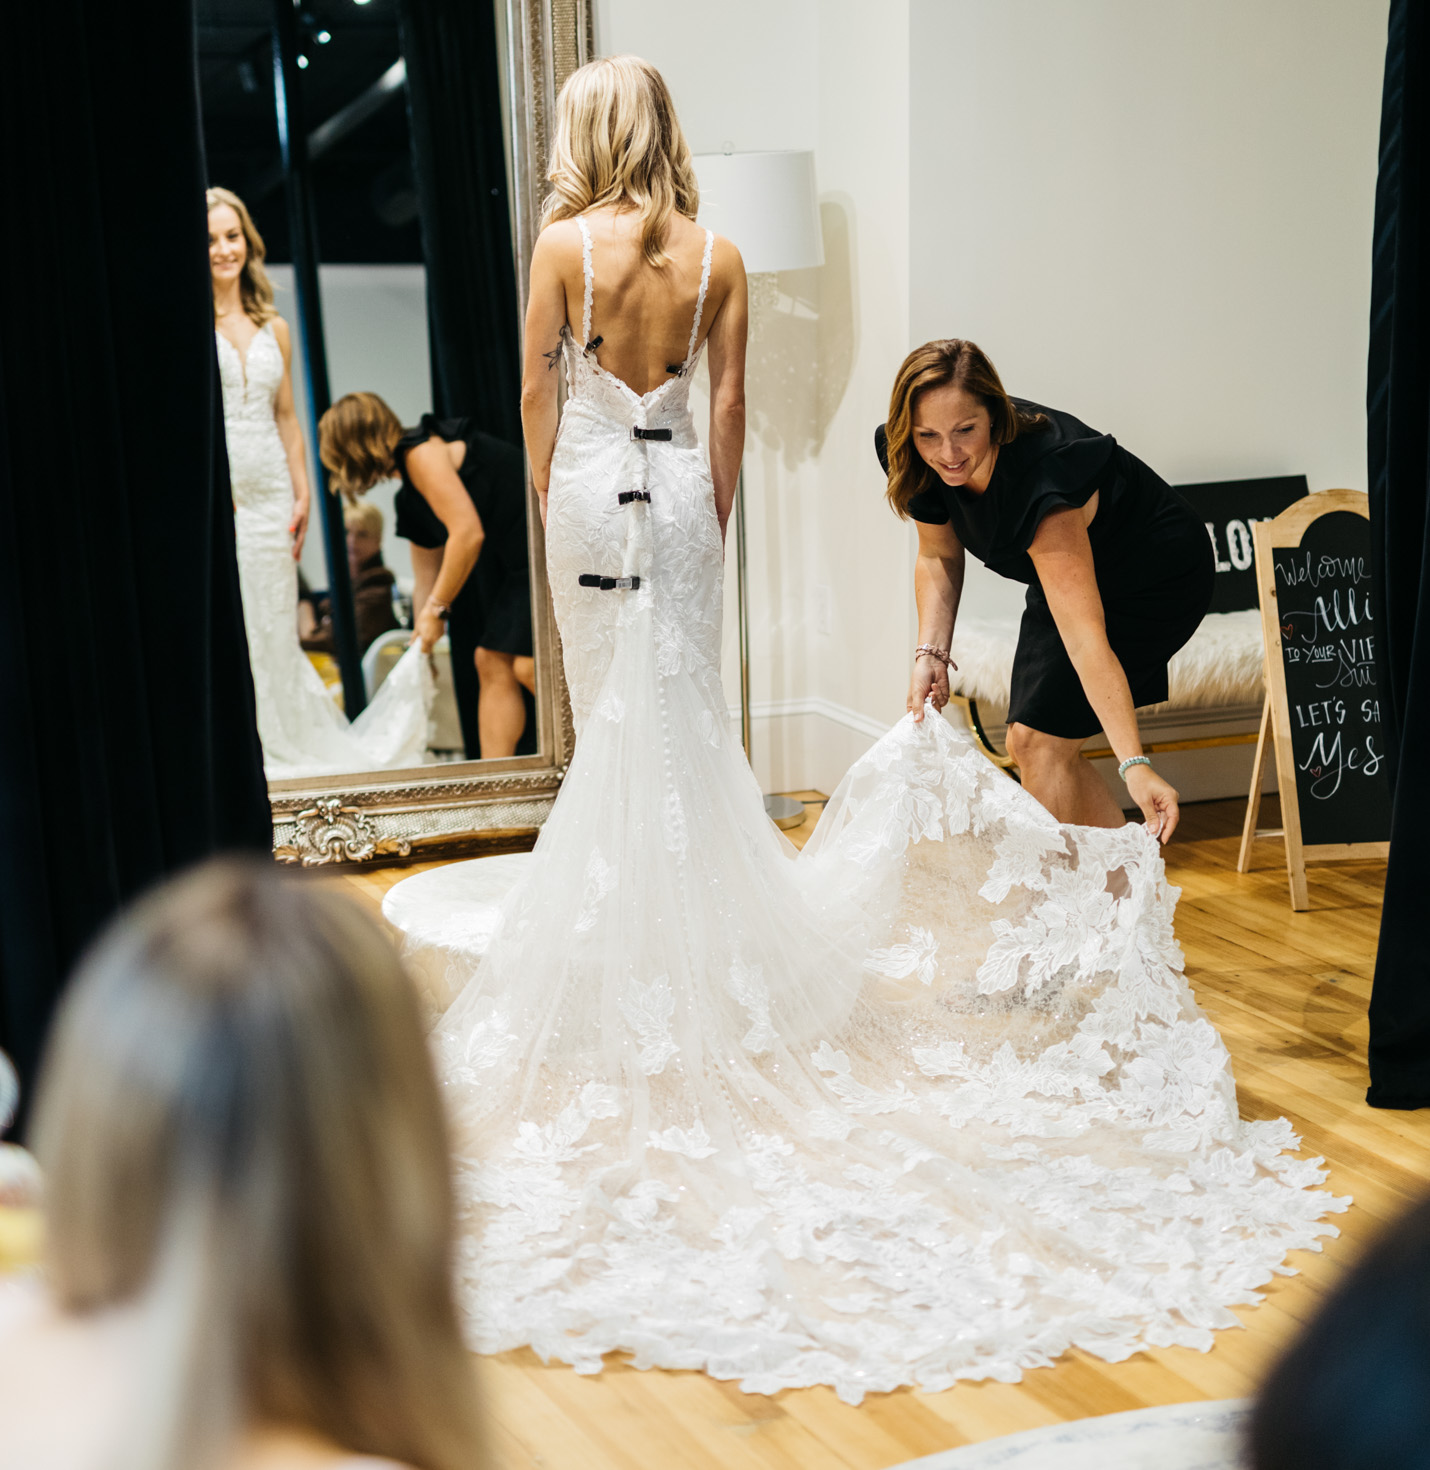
{"type": "Point", "coordinates": [1313, 574]}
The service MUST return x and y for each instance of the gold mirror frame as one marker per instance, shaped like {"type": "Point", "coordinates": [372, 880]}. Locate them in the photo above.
{"type": "Point", "coordinates": [473, 806]}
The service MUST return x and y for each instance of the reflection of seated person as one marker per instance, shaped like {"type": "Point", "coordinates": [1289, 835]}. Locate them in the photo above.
{"type": "Point", "coordinates": [462, 505]}
{"type": "Point", "coordinates": [372, 587]}
{"type": "Point", "coordinates": [19, 1175]}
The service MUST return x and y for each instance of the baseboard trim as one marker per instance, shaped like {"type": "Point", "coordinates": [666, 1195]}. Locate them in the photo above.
{"type": "Point", "coordinates": [813, 705]}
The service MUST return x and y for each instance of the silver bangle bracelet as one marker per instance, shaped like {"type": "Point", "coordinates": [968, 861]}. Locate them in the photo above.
{"type": "Point", "coordinates": [1132, 760]}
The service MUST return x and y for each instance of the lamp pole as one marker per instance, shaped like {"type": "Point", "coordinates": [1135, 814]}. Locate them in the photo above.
{"type": "Point", "coordinates": [768, 204]}
{"type": "Point", "coordinates": [784, 811]}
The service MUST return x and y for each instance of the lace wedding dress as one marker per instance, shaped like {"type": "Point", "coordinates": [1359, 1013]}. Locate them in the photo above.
{"type": "Point", "coordinates": [931, 1101]}
{"type": "Point", "coordinates": [303, 732]}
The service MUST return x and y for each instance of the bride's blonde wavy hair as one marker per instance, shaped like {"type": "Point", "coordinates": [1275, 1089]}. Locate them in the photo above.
{"type": "Point", "coordinates": [255, 290]}
{"type": "Point", "coordinates": [619, 142]}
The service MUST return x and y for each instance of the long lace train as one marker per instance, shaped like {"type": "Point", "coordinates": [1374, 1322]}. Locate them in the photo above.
{"type": "Point", "coordinates": [930, 1101]}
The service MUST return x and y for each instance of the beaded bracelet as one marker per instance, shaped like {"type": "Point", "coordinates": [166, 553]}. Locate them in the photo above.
{"type": "Point", "coordinates": [1132, 760]}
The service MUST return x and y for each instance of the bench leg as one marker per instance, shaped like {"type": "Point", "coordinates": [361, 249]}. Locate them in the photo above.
{"type": "Point", "coordinates": [970, 713]}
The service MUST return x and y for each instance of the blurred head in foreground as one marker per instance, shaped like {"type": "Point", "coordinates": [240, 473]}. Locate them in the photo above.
{"type": "Point", "coordinates": [1353, 1391]}
{"type": "Point", "coordinates": [242, 1138]}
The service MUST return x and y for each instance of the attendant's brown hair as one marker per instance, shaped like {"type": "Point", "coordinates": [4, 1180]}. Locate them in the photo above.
{"type": "Point", "coordinates": [243, 1140]}
{"type": "Point", "coordinates": [356, 440]}
{"type": "Point", "coordinates": [937, 364]}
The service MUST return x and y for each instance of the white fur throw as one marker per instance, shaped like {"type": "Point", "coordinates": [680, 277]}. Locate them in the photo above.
{"type": "Point", "coordinates": [1220, 666]}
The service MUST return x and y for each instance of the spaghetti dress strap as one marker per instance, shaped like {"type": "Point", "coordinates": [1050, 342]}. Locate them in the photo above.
{"type": "Point", "coordinates": [588, 275]}
{"type": "Point", "coordinates": [700, 299]}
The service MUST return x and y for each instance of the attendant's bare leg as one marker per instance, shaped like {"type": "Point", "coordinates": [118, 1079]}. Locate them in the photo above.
{"type": "Point", "coordinates": [426, 563]}
{"type": "Point", "coordinates": [501, 711]}
{"type": "Point", "coordinates": [1054, 771]}
{"type": "Point", "coordinates": [525, 667]}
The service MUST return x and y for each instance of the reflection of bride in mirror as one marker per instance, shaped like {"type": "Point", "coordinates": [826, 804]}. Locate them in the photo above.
{"type": "Point", "coordinates": [303, 731]}
{"type": "Point", "coordinates": [462, 507]}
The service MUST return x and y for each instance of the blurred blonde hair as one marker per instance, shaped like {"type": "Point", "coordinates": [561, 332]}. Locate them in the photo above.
{"type": "Point", "coordinates": [364, 515]}
{"type": "Point", "coordinates": [619, 142]}
{"type": "Point", "coordinates": [243, 1138]}
{"type": "Point", "coordinates": [255, 290]}
{"type": "Point", "coordinates": [356, 440]}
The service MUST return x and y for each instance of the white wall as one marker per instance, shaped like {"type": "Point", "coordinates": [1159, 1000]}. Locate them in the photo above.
{"type": "Point", "coordinates": [1158, 217]}
{"type": "Point", "coordinates": [1155, 215]}
{"type": "Point", "coordinates": [375, 323]}
{"type": "Point", "coordinates": [742, 75]}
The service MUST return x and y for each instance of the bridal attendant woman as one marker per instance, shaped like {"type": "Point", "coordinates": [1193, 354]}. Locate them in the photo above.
{"type": "Point", "coordinates": [1118, 567]}
{"type": "Point", "coordinates": [302, 730]}
{"type": "Point", "coordinates": [462, 506]}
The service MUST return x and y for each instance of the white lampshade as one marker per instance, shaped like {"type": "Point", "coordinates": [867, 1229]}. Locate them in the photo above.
{"type": "Point", "coordinates": [766, 204]}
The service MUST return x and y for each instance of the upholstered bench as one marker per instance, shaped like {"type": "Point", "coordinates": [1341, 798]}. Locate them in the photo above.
{"type": "Point", "coordinates": [1216, 678]}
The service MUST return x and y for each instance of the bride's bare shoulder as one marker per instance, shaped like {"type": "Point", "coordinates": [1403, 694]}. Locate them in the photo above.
{"type": "Point", "coordinates": [559, 239]}
{"type": "Point", "coordinates": [725, 259]}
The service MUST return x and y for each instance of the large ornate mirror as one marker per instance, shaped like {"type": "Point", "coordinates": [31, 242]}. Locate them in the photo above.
{"type": "Point", "coordinates": [387, 156]}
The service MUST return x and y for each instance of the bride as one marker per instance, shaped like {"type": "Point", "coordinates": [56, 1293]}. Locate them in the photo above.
{"type": "Point", "coordinates": [302, 730]}
{"type": "Point", "coordinates": [931, 1102]}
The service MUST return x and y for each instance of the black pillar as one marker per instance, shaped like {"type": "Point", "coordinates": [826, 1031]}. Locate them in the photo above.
{"type": "Point", "coordinates": [1398, 413]}
{"type": "Point", "coordinates": [298, 181]}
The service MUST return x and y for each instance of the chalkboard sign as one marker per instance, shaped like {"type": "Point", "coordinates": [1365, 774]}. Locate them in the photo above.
{"type": "Point", "coordinates": [1322, 707]}
{"type": "Point", "coordinates": [1231, 509]}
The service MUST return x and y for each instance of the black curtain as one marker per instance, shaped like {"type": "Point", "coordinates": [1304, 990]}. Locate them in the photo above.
{"type": "Point", "coordinates": [459, 159]}
{"type": "Point", "coordinates": [128, 746]}
{"type": "Point", "coordinates": [1398, 405]}
{"type": "Point", "coordinates": [460, 162]}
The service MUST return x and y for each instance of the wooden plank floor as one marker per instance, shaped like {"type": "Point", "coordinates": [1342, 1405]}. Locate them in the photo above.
{"type": "Point", "coordinates": [1288, 991]}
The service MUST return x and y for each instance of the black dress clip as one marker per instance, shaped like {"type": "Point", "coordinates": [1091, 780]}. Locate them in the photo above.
{"type": "Point", "coordinates": [609, 584]}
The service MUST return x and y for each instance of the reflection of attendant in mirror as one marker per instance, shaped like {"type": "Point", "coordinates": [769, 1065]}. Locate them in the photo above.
{"type": "Point", "coordinates": [462, 506]}
{"type": "Point", "coordinates": [302, 730]}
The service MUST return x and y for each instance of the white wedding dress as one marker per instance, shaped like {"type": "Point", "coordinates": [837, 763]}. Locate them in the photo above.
{"type": "Point", "coordinates": [303, 732]}
{"type": "Point", "coordinates": [931, 1101]}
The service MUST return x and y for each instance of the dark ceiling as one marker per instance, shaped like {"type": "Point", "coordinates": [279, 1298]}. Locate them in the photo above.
{"type": "Point", "coordinates": [362, 184]}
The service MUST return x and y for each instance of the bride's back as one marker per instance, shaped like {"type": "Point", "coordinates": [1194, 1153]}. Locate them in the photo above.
{"type": "Point", "coordinates": [641, 314]}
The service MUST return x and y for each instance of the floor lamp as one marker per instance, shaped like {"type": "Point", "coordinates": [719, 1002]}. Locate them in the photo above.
{"type": "Point", "coordinates": [767, 204]}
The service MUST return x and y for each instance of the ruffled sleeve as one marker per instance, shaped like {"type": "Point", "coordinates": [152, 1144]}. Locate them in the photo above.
{"type": "Point", "coordinates": [430, 425]}
{"type": "Point", "coordinates": [1050, 470]}
{"type": "Point", "coordinates": [416, 521]}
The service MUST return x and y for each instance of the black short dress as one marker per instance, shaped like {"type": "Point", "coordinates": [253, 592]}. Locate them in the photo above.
{"type": "Point", "coordinates": [1151, 554]}
{"type": "Point", "coordinates": [496, 601]}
